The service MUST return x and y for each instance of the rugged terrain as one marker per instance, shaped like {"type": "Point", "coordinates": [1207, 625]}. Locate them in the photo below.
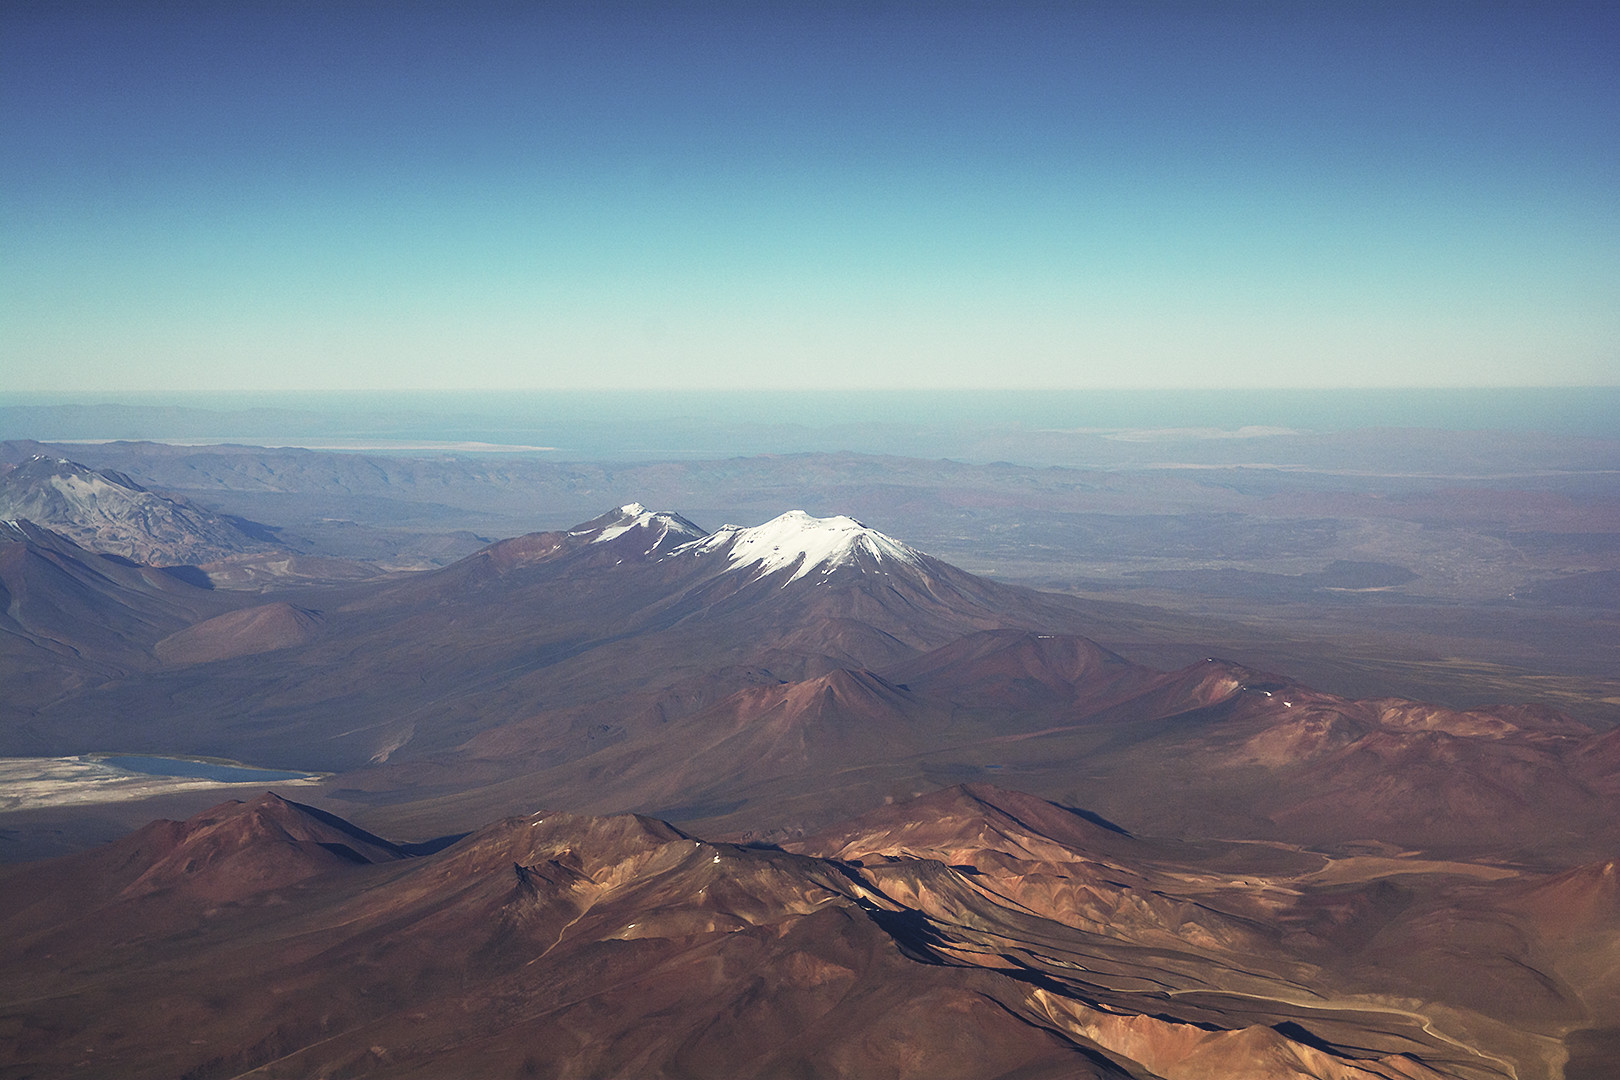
{"type": "Point", "coordinates": [1465, 567]}
{"type": "Point", "coordinates": [1154, 870]}
{"type": "Point", "coordinates": [975, 932]}
{"type": "Point", "coordinates": [110, 513]}
{"type": "Point", "coordinates": [803, 668]}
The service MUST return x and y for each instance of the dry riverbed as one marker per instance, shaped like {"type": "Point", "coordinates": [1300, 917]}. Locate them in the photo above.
{"type": "Point", "coordinates": [36, 783]}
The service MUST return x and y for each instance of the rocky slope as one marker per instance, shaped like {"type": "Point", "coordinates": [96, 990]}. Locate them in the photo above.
{"type": "Point", "coordinates": [109, 513]}
{"type": "Point", "coordinates": [976, 932]}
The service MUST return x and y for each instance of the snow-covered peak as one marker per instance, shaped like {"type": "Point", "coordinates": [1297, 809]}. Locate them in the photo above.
{"type": "Point", "coordinates": [809, 543]}
{"type": "Point", "coordinates": [662, 526]}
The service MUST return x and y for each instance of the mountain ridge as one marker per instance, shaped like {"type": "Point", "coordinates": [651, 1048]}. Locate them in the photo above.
{"type": "Point", "coordinates": [620, 665]}
{"type": "Point", "coordinates": [968, 933]}
{"type": "Point", "coordinates": [108, 512]}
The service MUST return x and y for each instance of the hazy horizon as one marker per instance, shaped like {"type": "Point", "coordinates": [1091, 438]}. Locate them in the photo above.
{"type": "Point", "coordinates": [1033, 427]}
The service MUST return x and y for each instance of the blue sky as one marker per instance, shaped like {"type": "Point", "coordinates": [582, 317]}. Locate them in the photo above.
{"type": "Point", "coordinates": [1023, 195]}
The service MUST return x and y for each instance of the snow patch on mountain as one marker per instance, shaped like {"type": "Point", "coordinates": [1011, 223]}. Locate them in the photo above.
{"type": "Point", "coordinates": [635, 516]}
{"type": "Point", "coordinates": [798, 539]}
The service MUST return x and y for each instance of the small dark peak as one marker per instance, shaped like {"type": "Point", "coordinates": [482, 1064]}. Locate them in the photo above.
{"type": "Point", "coordinates": [1214, 675]}
{"type": "Point", "coordinates": [845, 682]}
{"type": "Point", "coordinates": [220, 811]}
{"type": "Point", "coordinates": [847, 692]}
{"type": "Point", "coordinates": [285, 810]}
{"type": "Point", "coordinates": [1020, 665]}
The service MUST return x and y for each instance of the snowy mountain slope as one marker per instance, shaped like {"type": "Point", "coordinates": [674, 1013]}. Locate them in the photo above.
{"type": "Point", "coordinates": [663, 530]}
{"type": "Point", "coordinates": [804, 544]}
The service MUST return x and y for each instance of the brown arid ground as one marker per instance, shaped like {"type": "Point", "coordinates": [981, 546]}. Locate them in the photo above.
{"type": "Point", "coordinates": [974, 932]}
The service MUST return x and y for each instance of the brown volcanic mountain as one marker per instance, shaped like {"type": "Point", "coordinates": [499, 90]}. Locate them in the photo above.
{"type": "Point", "coordinates": [403, 669]}
{"type": "Point", "coordinates": [264, 628]}
{"type": "Point", "coordinates": [71, 619]}
{"type": "Point", "coordinates": [973, 933]}
{"type": "Point", "coordinates": [55, 591]}
{"type": "Point", "coordinates": [763, 682]}
{"type": "Point", "coordinates": [1212, 750]}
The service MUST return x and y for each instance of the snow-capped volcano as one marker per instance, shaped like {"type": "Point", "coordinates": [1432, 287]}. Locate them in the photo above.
{"type": "Point", "coordinates": [664, 530]}
{"type": "Point", "coordinates": [804, 543]}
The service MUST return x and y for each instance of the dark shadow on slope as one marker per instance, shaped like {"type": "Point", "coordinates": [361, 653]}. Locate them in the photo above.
{"type": "Point", "coordinates": [191, 575]}
{"type": "Point", "coordinates": [1096, 819]}
{"type": "Point", "coordinates": [911, 931]}
{"type": "Point", "coordinates": [431, 847]}
{"type": "Point", "coordinates": [257, 530]}
{"type": "Point", "coordinates": [1288, 1029]}
{"type": "Point", "coordinates": [344, 826]}
{"type": "Point", "coordinates": [346, 852]}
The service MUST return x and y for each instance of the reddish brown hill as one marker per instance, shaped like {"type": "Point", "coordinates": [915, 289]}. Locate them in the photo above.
{"type": "Point", "coordinates": [1021, 669]}
{"type": "Point", "coordinates": [1583, 899]}
{"type": "Point", "coordinates": [1598, 762]}
{"type": "Point", "coordinates": [162, 875]}
{"type": "Point", "coordinates": [243, 849]}
{"type": "Point", "coordinates": [787, 744]}
{"type": "Point", "coordinates": [1429, 788]}
{"type": "Point", "coordinates": [560, 945]}
{"type": "Point", "coordinates": [240, 633]}
{"type": "Point", "coordinates": [959, 825]}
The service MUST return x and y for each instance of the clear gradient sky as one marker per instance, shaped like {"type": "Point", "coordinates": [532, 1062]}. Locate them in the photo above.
{"type": "Point", "coordinates": [323, 195]}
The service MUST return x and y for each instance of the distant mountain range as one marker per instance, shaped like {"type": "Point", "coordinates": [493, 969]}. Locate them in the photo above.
{"type": "Point", "coordinates": [1148, 873]}
{"type": "Point", "coordinates": [107, 512]}
{"type": "Point", "coordinates": [758, 680]}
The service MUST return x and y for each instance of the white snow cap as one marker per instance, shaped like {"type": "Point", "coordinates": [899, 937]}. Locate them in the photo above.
{"type": "Point", "coordinates": [634, 515]}
{"type": "Point", "coordinates": [811, 542]}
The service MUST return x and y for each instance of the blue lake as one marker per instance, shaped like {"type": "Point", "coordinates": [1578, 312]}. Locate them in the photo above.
{"type": "Point", "coordinates": [201, 770]}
